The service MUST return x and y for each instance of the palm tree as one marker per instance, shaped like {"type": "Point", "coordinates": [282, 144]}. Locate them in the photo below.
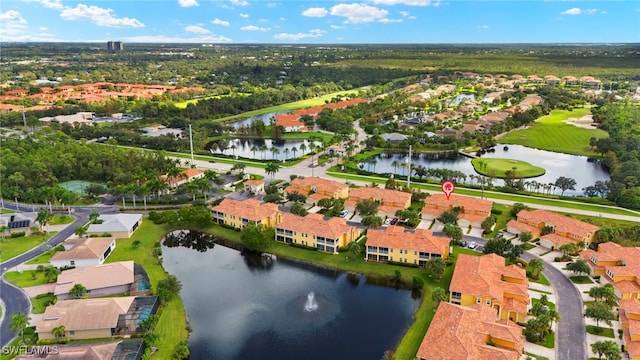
{"type": "Point", "coordinates": [94, 215]}
{"type": "Point", "coordinates": [192, 186]}
{"type": "Point", "coordinates": [233, 150]}
{"type": "Point", "coordinates": [271, 169]}
{"type": "Point", "coordinates": [275, 151]}
{"type": "Point", "coordinates": [77, 291]}
{"type": "Point", "coordinates": [80, 231]}
{"type": "Point", "coordinates": [204, 185]}
{"type": "Point", "coordinates": [294, 150]}
{"type": "Point", "coordinates": [19, 321]}
{"type": "Point", "coordinates": [263, 149]}
{"type": "Point", "coordinates": [43, 218]}
{"type": "Point", "coordinates": [254, 148]}
{"type": "Point", "coordinates": [286, 153]}
{"type": "Point", "coordinates": [395, 165]}
{"type": "Point", "coordinates": [303, 147]}
{"type": "Point", "coordinates": [59, 331]}
{"type": "Point", "coordinates": [173, 173]}
{"type": "Point", "coordinates": [51, 273]}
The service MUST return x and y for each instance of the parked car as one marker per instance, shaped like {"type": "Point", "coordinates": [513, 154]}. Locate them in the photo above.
{"type": "Point", "coordinates": [387, 221]}
{"type": "Point", "coordinates": [212, 161]}
{"type": "Point", "coordinates": [499, 235]}
{"type": "Point", "coordinates": [344, 213]}
{"type": "Point", "coordinates": [472, 245]}
{"type": "Point", "coordinates": [463, 243]}
{"type": "Point", "coordinates": [394, 221]}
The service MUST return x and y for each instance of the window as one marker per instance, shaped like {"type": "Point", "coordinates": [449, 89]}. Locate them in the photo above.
{"type": "Point", "coordinates": [478, 300]}
{"type": "Point", "coordinates": [72, 332]}
{"type": "Point", "coordinates": [72, 263]}
{"type": "Point", "coordinates": [488, 302]}
{"type": "Point", "coordinates": [456, 295]}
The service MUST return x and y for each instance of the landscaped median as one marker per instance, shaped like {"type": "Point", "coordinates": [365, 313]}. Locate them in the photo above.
{"type": "Point", "coordinates": [504, 168]}
{"type": "Point", "coordinates": [496, 195]}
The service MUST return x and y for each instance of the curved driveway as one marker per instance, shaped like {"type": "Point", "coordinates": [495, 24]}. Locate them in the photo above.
{"type": "Point", "coordinates": [13, 298]}
{"type": "Point", "coordinates": [571, 338]}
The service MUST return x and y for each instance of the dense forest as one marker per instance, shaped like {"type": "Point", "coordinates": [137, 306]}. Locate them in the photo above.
{"type": "Point", "coordinates": [621, 151]}
{"type": "Point", "coordinates": [30, 172]}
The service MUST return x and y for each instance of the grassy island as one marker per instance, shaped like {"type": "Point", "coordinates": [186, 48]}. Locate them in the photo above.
{"type": "Point", "coordinates": [499, 167]}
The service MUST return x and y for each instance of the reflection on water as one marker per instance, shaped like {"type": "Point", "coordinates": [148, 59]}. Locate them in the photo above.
{"type": "Point", "coordinates": [585, 172]}
{"type": "Point", "coordinates": [238, 311]}
{"type": "Point", "coordinates": [265, 149]}
{"type": "Point", "coordinates": [190, 239]}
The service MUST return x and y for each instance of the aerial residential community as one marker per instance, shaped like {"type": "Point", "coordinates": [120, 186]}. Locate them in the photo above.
{"type": "Point", "coordinates": [285, 182]}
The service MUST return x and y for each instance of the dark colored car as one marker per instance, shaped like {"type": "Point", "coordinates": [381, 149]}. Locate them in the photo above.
{"type": "Point", "coordinates": [394, 221]}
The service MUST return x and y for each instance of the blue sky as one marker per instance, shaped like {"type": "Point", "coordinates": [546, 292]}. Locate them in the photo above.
{"type": "Point", "coordinates": [306, 21]}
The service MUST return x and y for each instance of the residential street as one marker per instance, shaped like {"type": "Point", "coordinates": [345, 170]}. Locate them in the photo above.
{"type": "Point", "coordinates": [14, 299]}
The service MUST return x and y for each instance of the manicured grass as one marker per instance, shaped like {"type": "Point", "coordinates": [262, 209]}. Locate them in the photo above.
{"type": "Point", "coordinates": [45, 257]}
{"type": "Point", "coordinates": [604, 331]}
{"type": "Point", "coordinates": [528, 246]}
{"type": "Point", "coordinates": [172, 324]}
{"type": "Point", "coordinates": [499, 167]}
{"type": "Point", "coordinates": [541, 291]}
{"type": "Point", "coordinates": [62, 219]}
{"type": "Point", "coordinates": [541, 278]}
{"type": "Point", "coordinates": [537, 357]}
{"type": "Point", "coordinates": [12, 247]}
{"type": "Point", "coordinates": [581, 279]}
{"type": "Point", "coordinates": [6, 211]}
{"type": "Point", "coordinates": [25, 279]}
{"type": "Point", "coordinates": [40, 302]}
{"type": "Point", "coordinates": [495, 195]}
{"type": "Point", "coordinates": [318, 136]}
{"type": "Point", "coordinates": [501, 219]}
{"type": "Point", "coordinates": [549, 341]}
{"type": "Point", "coordinates": [320, 100]}
{"type": "Point", "coordinates": [551, 305]}
{"type": "Point", "coordinates": [553, 134]}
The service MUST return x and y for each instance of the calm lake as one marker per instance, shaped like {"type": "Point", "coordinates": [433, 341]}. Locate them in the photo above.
{"type": "Point", "coordinates": [253, 307]}
{"type": "Point", "coordinates": [285, 149]}
{"type": "Point", "coordinates": [556, 164]}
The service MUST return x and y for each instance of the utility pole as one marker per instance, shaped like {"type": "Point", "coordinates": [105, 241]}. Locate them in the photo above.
{"type": "Point", "coordinates": [191, 145]}
{"type": "Point", "coordinates": [409, 165]}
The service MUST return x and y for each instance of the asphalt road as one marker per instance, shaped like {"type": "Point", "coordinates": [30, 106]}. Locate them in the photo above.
{"type": "Point", "coordinates": [14, 299]}
{"type": "Point", "coordinates": [571, 338]}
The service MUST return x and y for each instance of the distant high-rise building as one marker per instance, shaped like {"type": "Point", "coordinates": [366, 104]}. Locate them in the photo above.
{"type": "Point", "coordinates": [115, 46]}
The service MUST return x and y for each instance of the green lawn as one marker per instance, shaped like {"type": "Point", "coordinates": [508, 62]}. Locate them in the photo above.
{"type": "Point", "coordinates": [552, 133]}
{"type": "Point", "coordinates": [172, 325]}
{"type": "Point", "coordinates": [320, 100]}
{"type": "Point", "coordinates": [12, 247]}
{"type": "Point", "coordinates": [528, 246]}
{"type": "Point", "coordinates": [541, 278]}
{"type": "Point", "coordinates": [493, 195]}
{"type": "Point", "coordinates": [499, 167]}
{"type": "Point", "coordinates": [604, 331]}
{"type": "Point", "coordinates": [62, 220]}
{"type": "Point", "coordinates": [45, 257]}
{"type": "Point", "coordinates": [549, 341]}
{"type": "Point", "coordinates": [551, 305]}
{"type": "Point", "coordinates": [581, 279]}
{"type": "Point", "coordinates": [40, 302]}
{"type": "Point", "coordinates": [25, 279]}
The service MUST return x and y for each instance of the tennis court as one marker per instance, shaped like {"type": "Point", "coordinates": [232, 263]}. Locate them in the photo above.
{"type": "Point", "coordinates": [76, 186]}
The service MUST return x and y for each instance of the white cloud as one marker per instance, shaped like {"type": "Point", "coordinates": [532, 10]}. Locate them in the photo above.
{"type": "Point", "coordinates": [217, 21]}
{"type": "Point", "coordinates": [196, 29]}
{"type": "Point", "coordinates": [254, 28]}
{"type": "Point", "coordinates": [51, 4]}
{"type": "Point", "coordinates": [483, 26]}
{"type": "Point", "coordinates": [389, 21]}
{"type": "Point", "coordinates": [100, 16]}
{"type": "Point", "coordinates": [578, 11]}
{"type": "Point", "coordinates": [188, 3]}
{"type": "Point", "coordinates": [316, 33]}
{"type": "Point", "coordinates": [43, 28]}
{"type": "Point", "coordinates": [315, 12]}
{"type": "Point", "coordinates": [336, 27]}
{"type": "Point", "coordinates": [245, 16]}
{"type": "Point", "coordinates": [173, 39]}
{"type": "Point", "coordinates": [12, 17]}
{"type": "Point", "coordinates": [272, 5]}
{"type": "Point", "coordinates": [403, 2]}
{"type": "Point", "coordinates": [263, 20]}
{"type": "Point", "coordinates": [359, 13]}
{"type": "Point", "coordinates": [282, 19]}
{"type": "Point", "coordinates": [404, 13]}
{"type": "Point", "coordinates": [240, 2]}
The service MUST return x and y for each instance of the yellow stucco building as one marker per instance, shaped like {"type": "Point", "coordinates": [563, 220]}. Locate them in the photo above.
{"type": "Point", "coordinates": [485, 280]}
{"type": "Point", "coordinates": [315, 231]}
{"type": "Point", "coordinates": [411, 247]}
{"type": "Point", "coordinates": [239, 214]}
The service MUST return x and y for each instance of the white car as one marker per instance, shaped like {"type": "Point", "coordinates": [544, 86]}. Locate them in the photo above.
{"type": "Point", "coordinates": [344, 213]}
{"type": "Point", "coordinates": [388, 221]}
{"type": "Point", "coordinates": [472, 245]}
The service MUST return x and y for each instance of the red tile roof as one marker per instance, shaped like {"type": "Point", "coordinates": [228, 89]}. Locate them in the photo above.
{"type": "Point", "coordinates": [316, 224]}
{"type": "Point", "coordinates": [419, 240]}
{"type": "Point", "coordinates": [249, 209]}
